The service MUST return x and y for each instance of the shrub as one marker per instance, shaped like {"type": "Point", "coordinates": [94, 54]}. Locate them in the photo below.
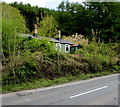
{"type": "Point", "coordinates": [50, 64]}
{"type": "Point", "coordinates": [43, 45]}
{"type": "Point", "coordinates": [99, 56]}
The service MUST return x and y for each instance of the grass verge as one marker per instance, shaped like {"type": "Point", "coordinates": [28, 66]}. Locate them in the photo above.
{"type": "Point", "coordinates": [45, 83]}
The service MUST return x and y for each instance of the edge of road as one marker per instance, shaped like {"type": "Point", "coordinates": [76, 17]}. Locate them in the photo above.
{"type": "Point", "coordinates": [57, 86]}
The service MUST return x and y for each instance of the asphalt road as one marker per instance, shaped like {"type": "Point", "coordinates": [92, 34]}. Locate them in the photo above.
{"type": "Point", "coordinates": [97, 91]}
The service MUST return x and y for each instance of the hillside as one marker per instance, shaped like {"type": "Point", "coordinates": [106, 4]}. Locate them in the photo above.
{"type": "Point", "coordinates": [28, 61]}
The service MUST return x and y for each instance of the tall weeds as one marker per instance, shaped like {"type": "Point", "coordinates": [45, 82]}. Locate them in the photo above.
{"type": "Point", "coordinates": [91, 58]}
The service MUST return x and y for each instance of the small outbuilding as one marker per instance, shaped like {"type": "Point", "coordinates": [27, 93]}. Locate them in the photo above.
{"type": "Point", "coordinates": [75, 47]}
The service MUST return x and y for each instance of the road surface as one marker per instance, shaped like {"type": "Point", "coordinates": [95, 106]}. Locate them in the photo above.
{"type": "Point", "coordinates": [96, 91]}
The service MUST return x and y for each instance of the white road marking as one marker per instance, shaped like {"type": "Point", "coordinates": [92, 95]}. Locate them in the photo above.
{"type": "Point", "coordinates": [88, 92]}
{"type": "Point", "coordinates": [28, 99]}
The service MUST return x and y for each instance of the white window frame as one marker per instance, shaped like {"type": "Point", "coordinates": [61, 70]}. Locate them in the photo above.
{"type": "Point", "coordinates": [57, 45]}
{"type": "Point", "coordinates": [68, 47]}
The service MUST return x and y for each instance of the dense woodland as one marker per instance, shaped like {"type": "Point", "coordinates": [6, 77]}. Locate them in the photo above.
{"type": "Point", "coordinates": [100, 20]}
{"type": "Point", "coordinates": [25, 60]}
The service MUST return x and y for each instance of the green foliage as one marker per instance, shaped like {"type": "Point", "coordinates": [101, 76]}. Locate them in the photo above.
{"type": "Point", "coordinates": [104, 20]}
{"type": "Point", "coordinates": [40, 45]}
{"type": "Point", "coordinates": [100, 17]}
{"type": "Point", "coordinates": [12, 16]}
{"type": "Point", "coordinates": [48, 27]}
{"type": "Point", "coordinates": [32, 14]}
{"type": "Point", "coordinates": [39, 83]}
{"type": "Point", "coordinates": [99, 56]}
{"type": "Point", "coordinates": [93, 19]}
{"type": "Point", "coordinates": [12, 23]}
{"type": "Point", "coordinates": [93, 58]}
{"type": "Point", "coordinates": [26, 59]}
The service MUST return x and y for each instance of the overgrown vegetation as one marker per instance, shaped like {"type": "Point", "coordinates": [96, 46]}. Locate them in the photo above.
{"type": "Point", "coordinates": [27, 61]}
{"type": "Point", "coordinates": [100, 57]}
{"type": "Point", "coordinates": [94, 58]}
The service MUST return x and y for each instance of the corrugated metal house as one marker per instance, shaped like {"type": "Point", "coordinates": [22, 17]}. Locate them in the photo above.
{"type": "Point", "coordinates": [60, 45]}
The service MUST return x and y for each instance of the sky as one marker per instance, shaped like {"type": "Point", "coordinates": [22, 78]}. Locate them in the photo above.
{"type": "Point", "coordinates": [51, 4]}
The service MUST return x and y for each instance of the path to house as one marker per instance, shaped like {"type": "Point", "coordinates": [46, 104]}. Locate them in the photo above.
{"type": "Point", "coordinates": [97, 91]}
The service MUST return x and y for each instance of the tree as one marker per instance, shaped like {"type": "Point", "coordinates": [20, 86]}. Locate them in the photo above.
{"type": "Point", "coordinates": [12, 24]}
{"type": "Point", "coordinates": [70, 20]}
{"type": "Point", "coordinates": [61, 7]}
{"type": "Point", "coordinates": [10, 13]}
{"type": "Point", "coordinates": [105, 20]}
{"type": "Point", "coordinates": [47, 27]}
{"type": "Point", "coordinates": [92, 19]}
{"type": "Point", "coordinates": [32, 14]}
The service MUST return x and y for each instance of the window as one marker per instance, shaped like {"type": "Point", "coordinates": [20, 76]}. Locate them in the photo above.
{"type": "Point", "coordinates": [67, 48]}
{"type": "Point", "coordinates": [58, 46]}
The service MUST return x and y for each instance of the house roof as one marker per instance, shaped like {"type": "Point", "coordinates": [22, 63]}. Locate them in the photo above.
{"type": "Point", "coordinates": [76, 44]}
{"type": "Point", "coordinates": [27, 35]}
{"type": "Point", "coordinates": [56, 40]}
{"type": "Point", "coordinates": [51, 39]}
{"type": "Point", "coordinates": [64, 41]}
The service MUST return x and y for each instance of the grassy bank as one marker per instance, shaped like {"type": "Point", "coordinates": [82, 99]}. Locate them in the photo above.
{"type": "Point", "coordinates": [46, 82]}
{"type": "Point", "coordinates": [36, 68]}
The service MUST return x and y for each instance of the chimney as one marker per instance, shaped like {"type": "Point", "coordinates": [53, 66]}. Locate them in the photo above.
{"type": "Point", "coordinates": [59, 32]}
{"type": "Point", "coordinates": [35, 30]}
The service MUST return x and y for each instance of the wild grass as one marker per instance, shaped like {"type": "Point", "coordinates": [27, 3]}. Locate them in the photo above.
{"type": "Point", "coordinates": [40, 83]}
{"type": "Point", "coordinates": [47, 69]}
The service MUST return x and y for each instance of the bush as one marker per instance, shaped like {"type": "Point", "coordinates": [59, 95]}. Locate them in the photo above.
{"type": "Point", "coordinates": [43, 45]}
{"type": "Point", "coordinates": [50, 64]}
{"type": "Point", "coordinates": [99, 56]}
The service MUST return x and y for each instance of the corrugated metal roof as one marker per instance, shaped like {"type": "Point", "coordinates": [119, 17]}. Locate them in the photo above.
{"type": "Point", "coordinates": [65, 42]}
{"type": "Point", "coordinates": [51, 39]}
{"type": "Point", "coordinates": [40, 37]}
{"type": "Point", "coordinates": [54, 40]}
